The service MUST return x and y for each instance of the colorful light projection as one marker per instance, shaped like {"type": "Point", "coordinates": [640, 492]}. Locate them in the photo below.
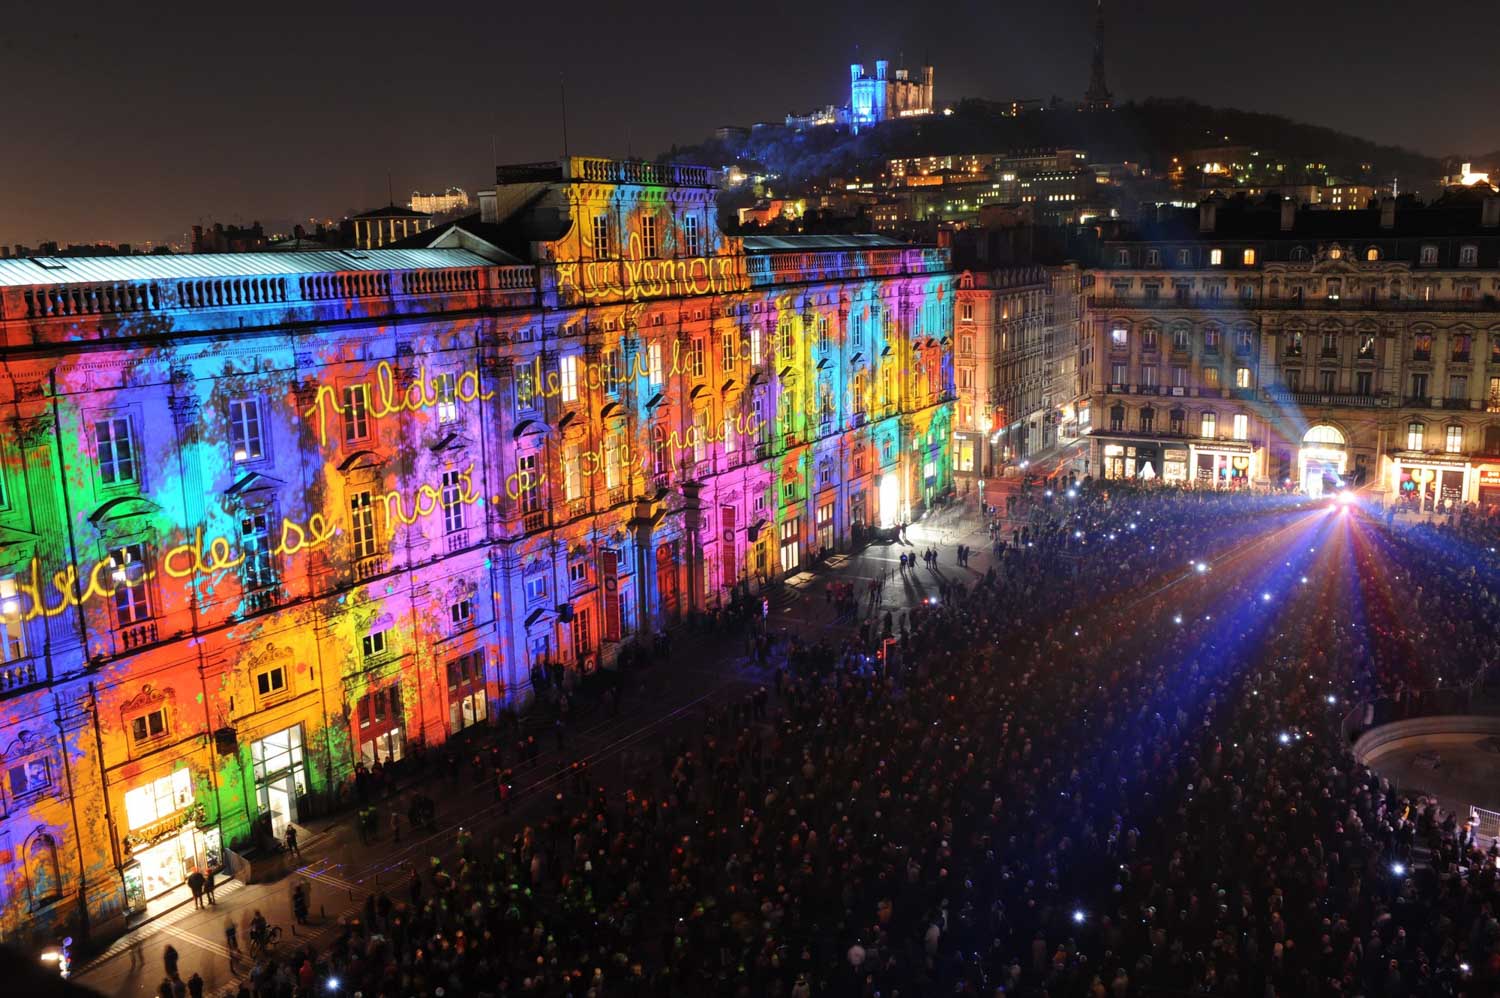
{"type": "Point", "coordinates": [235, 563]}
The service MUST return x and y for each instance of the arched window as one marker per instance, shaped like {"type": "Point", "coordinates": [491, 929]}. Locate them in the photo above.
{"type": "Point", "coordinates": [42, 878]}
{"type": "Point", "coordinates": [1299, 254]}
{"type": "Point", "coordinates": [1372, 254]}
{"type": "Point", "coordinates": [661, 457]}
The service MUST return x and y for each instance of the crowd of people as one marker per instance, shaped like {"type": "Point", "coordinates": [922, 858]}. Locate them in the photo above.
{"type": "Point", "coordinates": [1109, 764]}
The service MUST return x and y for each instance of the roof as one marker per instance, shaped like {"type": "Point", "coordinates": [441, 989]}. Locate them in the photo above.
{"type": "Point", "coordinates": [31, 271]}
{"type": "Point", "coordinates": [775, 244]}
{"type": "Point", "coordinates": [392, 211]}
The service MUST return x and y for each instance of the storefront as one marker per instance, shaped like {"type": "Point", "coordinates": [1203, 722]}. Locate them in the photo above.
{"type": "Point", "coordinates": [790, 534]}
{"type": "Point", "coordinates": [1322, 461]}
{"type": "Point", "coordinates": [966, 452]}
{"type": "Point", "coordinates": [280, 777]}
{"type": "Point", "coordinates": [889, 495]}
{"type": "Point", "coordinates": [1223, 464]}
{"type": "Point", "coordinates": [467, 703]}
{"type": "Point", "coordinates": [1147, 460]}
{"type": "Point", "coordinates": [1424, 484]}
{"type": "Point", "coordinates": [165, 842]}
{"type": "Point", "coordinates": [1489, 488]}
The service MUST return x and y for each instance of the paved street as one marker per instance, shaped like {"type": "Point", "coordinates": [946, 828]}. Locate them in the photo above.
{"type": "Point", "coordinates": [666, 700]}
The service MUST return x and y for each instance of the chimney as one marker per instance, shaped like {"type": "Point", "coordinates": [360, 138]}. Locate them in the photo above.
{"type": "Point", "coordinates": [1489, 215]}
{"type": "Point", "coordinates": [487, 212]}
{"type": "Point", "coordinates": [1208, 216]}
{"type": "Point", "coordinates": [1288, 214]}
{"type": "Point", "coordinates": [1387, 213]}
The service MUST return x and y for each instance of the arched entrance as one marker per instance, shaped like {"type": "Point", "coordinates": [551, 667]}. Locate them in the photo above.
{"type": "Point", "coordinates": [1322, 460]}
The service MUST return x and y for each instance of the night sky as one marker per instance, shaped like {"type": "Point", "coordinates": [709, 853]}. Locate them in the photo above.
{"type": "Point", "coordinates": [133, 121]}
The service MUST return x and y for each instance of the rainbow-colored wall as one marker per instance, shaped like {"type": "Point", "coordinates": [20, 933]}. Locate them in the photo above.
{"type": "Point", "coordinates": [207, 626]}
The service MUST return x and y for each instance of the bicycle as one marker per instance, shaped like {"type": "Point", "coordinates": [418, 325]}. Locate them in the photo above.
{"type": "Point", "coordinates": [266, 941]}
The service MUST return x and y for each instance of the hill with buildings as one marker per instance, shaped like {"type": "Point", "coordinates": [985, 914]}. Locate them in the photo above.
{"type": "Point", "coordinates": [1159, 134]}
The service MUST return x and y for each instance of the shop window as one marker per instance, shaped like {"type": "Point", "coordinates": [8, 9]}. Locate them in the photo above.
{"type": "Point", "coordinates": [161, 798]}
{"type": "Point", "coordinates": [149, 727]}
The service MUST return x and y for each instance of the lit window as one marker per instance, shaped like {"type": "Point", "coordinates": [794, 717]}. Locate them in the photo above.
{"type": "Point", "coordinates": [128, 569]}
{"type": "Point", "coordinates": [12, 630]}
{"type": "Point", "coordinates": [115, 445]}
{"type": "Point", "coordinates": [1372, 254]}
{"type": "Point", "coordinates": [1416, 436]}
{"type": "Point", "coordinates": [601, 235]}
{"type": "Point", "coordinates": [695, 357]}
{"type": "Point", "coordinates": [257, 571]}
{"type": "Point", "coordinates": [1453, 443]}
{"type": "Point", "coordinates": [444, 386]}
{"type": "Point", "coordinates": [1211, 377]}
{"type": "Point", "coordinates": [356, 412]}
{"type": "Point", "coordinates": [1119, 336]}
{"type": "Point", "coordinates": [567, 368]}
{"type": "Point", "coordinates": [1209, 425]}
{"type": "Point", "coordinates": [244, 430]}
{"type": "Point", "coordinates": [536, 587]}
{"type": "Point", "coordinates": [1241, 426]}
{"type": "Point", "coordinates": [1429, 254]}
{"type": "Point", "coordinates": [1468, 256]}
{"type": "Point", "coordinates": [161, 798]}
{"type": "Point", "coordinates": [1215, 257]}
{"type": "Point", "coordinates": [967, 312]}
{"type": "Point", "coordinates": [1242, 377]}
{"type": "Point", "coordinates": [1248, 257]}
{"type": "Point", "coordinates": [691, 240]}
{"type": "Point", "coordinates": [655, 373]}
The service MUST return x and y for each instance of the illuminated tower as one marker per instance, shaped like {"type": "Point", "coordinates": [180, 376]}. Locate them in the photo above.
{"type": "Point", "coordinates": [1098, 97]}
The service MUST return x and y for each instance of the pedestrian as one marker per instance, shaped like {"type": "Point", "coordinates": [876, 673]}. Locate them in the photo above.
{"type": "Point", "coordinates": [195, 985]}
{"type": "Point", "coordinates": [291, 840]}
{"type": "Point", "coordinates": [231, 939]}
{"type": "Point", "coordinates": [208, 884]}
{"type": "Point", "coordinates": [396, 824]}
{"type": "Point", "coordinates": [195, 884]}
{"type": "Point", "coordinates": [169, 960]}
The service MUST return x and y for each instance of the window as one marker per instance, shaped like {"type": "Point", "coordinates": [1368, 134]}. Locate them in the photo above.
{"type": "Point", "coordinates": [374, 644]}
{"type": "Point", "coordinates": [1491, 404]}
{"type": "Point", "coordinates": [1211, 339]}
{"type": "Point", "coordinates": [1179, 376]}
{"type": "Point", "coordinates": [966, 378]}
{"type": "Point", "coordinates": [1180, 338]}
{"type": "Point", "coordinates": [1148, 377]}
{"type": "Point", "coordinates": [1335, 288]}
{"type": "Point", "coordinates": [158, 799]}
{"type": "Point", "coordinates": [12, 630]}
{"type": "Point", "coordinates": [784, 340]}
{"type": "Point", "coordinates": [1326, 380]}
{"type": "Point", "coordinates": [1468, 255]}
{"type": "Point", "coordinates": [1244, 340]}
{"type": "Point", "coordinates": [614, 374]}
{"type": "Point", "coordinates": [1175, 421]}
{"type": "Point", "coordinates": [1462, 345]}
{"type": "Point", "coordinates": [451, 496]}
{"type": "Point", "coordinates": [966, 312]}
{"type": "Point", "coordinates": [257, 571]}
{"type": "Point", "coordinates": [1294, 343]}
{"type": "Point", "coordinates": [1153, 258]}
{"type": "Point", "coordinates": [271, 681]}
{"type": "Point", "coordinates": [149, 726]}
{"type": "Point", "coordinates": [1416, 436]}
{"type": "Point", "coordinates": [244, 430]}
{"type": "Point", "coordinates": [1215, 257]}
{"type": "Point", "coordinates": [661, 458]}
{"type": "Point", "coordinates": [1211, 378]}
{"type": "Point", "coordinates": [601, 236]}
{"type": "Point", "coordinates": [1364, 382]}
{"type": "Point", "coordinates": [966, 346]}
{"type": "Point", "coordinates": [525, 386]}
{"type": "Point", "coordinates": [1122, 257]}
{"type": "Point", "coordinates": [691, 240]}
{"type": "Point", "coordinates": [1118, 374]}
{"type": "Point", "coordinates": [362, 524]}
{"type": "Point", "coordinates": [529, 482]}
{"type": "Point", "coordinates": [1242, 377]}
{"type": "Point", "coordinates": [578, 573]}
{"type": "Point", "coordinates": [128, 571]}
{"type": "Point", "coordinates": [1366, 346]}
{"type": "Point", "coordinates": [1248, 258]}
{"type": "Point", "coordinates": [535, 587]}
{"type": "Point", "coordinates": [567, 367]}
{"type": "Point", "coordinates": [1429, 255]}
{"type": "Point", "coordinates": [1294, 379]}
{"type": "Point", "coordinates": [1117, 419]}
{"type": "Point", "coordinates": [1148, 420]}
{"type": "Point", "coordinates": [1149, 338]}
{"type": "Point", "coordinates": [1372, 254]}
{"type": "Point", "coordinates": [1419, 386]}
{"type": "Point", "coordinates": [356, 412]}
{"type": "Point", "coordinates": [1184, 257]}
{"type": "Point", "coordinates": [655, 373]}
{"type": "Point", "coordinates": [114, 444]}
{"type": "Point", "coordinates": [1119, 337]}
{"type": "Point", "coordinates": [1453, 441]}
{"type": "Point", "coordinates": [461, 613]}
{"type": "Point", "coordinates": [696, 354]}
{"type": "Point", "coordinates": [648, 236]}
{"type": "Point", "coordinates": [1208, 425]}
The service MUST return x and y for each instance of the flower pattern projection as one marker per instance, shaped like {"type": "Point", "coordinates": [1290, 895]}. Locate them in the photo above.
{"type": "Point", "coordinates": [270, 519]}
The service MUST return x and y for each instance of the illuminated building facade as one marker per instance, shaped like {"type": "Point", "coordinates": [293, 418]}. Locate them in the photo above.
{"type": "Point", "coordinates": [451, 200]}
{"type": "Point", "coordinates": [265, 518]}
{"type": "Point", "coordinates": [1307, 349]}
{"type": "Point", "coordinates": [873, 99]}
{"type": "Point", "coordinates": [999, 365]}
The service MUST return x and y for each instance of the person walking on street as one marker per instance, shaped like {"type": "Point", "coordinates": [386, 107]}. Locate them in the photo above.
{"type": "Point", "coordinates": [395, 824]}
{"type": "Point", "coordinates": [208, 884]}
{"type": "Point", "coordinates": [195, 884]}
{"type": "Point", "coordinates": [232, 941]}
{"type": "Point", "coordinates": [195, 985]}
{"type": "Point", "coordinates": [169, 960]}
{"type": "Point", "coordinates": [291, 840]}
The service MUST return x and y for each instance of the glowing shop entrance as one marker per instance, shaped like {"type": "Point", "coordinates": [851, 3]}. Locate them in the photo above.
{"type": "Point", "coordinates": [279, 777]}
{"type": "Point", "coordinates": [890, 499]}
{"type": "Point", "coordinates": [1321, 461]}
